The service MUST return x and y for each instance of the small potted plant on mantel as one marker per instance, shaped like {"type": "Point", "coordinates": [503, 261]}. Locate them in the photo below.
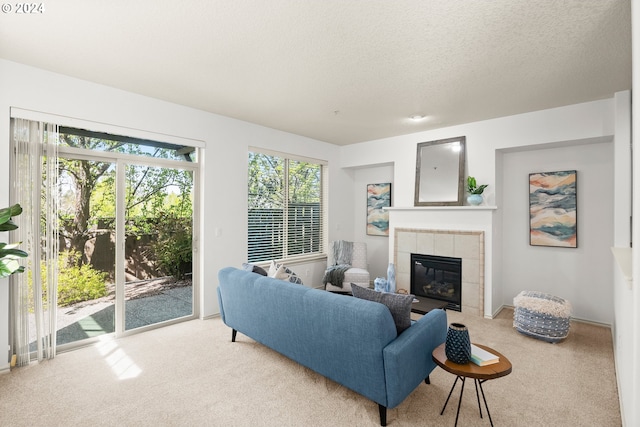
{"type": "Point", "coordinates": [475, 191]}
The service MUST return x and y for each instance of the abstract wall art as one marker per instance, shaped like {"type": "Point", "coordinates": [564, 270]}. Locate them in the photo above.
{"type": "Point", "coordinates": [553, 209]}
{"type": "Point", "coordinates": [378, 197]}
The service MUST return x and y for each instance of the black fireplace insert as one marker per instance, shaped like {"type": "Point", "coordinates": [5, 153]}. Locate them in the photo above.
{"type": "Point", "coordinates": [437, 277]}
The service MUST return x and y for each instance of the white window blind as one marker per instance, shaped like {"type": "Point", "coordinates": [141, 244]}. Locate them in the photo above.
{"type": "Point", "coordinates": [286, 213]}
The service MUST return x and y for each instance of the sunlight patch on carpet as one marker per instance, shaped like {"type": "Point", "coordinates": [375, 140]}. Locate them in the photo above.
{"type": "Point", "coordinates": [122, 365]}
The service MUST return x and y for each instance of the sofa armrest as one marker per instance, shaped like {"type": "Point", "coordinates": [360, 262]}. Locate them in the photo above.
{"type": "Point", "coordinates": [407, 359]}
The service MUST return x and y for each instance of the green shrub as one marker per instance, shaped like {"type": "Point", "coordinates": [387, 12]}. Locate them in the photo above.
{"type": "Point", "coordinates": [75, 284]}
{"type": "Point", "coordinates": [78, 283]}
{"type": "Point", "coordinates": [173, 247]}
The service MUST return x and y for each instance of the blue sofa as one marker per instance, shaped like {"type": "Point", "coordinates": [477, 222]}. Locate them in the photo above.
{"type": "Point", "coordinates": [346, 339]}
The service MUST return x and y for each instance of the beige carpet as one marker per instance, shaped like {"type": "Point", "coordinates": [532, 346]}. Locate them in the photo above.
{"type": "Point", "coordinates": [191, 374]}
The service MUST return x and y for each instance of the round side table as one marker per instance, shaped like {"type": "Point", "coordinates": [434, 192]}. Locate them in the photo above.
{"type": "Point", "coordinates": [480, 374]}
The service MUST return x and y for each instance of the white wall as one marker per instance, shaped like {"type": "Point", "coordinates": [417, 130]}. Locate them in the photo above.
{"type": "Point", "coordinates": [484, 139]}
{"type": "Point", "coordinates": [582, 275]}
{"type": "Point", "coordinates": [574, 122]}
{"type": "Point", "coordinates": [377, 246]}
{"type": "Point", "coordinates": [626, 337]}
{"type": "Point", "coordinates": [224, 162]}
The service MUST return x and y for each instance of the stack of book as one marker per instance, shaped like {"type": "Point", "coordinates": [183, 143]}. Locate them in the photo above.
{"type": "Point", "coordinates": [482, 357]}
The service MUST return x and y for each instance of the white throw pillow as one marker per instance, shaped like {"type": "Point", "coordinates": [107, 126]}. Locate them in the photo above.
{"type": "Point", "coordinates": [277, 271]}
{"type": "Point", "coordinates": [281, 272]}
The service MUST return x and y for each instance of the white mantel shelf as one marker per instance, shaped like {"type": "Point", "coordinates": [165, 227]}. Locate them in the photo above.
{"type": "Point", "coordinates": [441, 208]}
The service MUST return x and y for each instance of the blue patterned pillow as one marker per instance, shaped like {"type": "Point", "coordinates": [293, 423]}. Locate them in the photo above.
{"type": "Point", "coordinates": [295, 279]}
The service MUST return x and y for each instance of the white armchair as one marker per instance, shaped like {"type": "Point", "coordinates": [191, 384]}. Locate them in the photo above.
{"type": "Point", "coordinates": [357, 274]}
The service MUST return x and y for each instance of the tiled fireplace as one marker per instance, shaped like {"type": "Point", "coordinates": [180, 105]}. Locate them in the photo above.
{"type": "Point", "coordinates": [465, 245]}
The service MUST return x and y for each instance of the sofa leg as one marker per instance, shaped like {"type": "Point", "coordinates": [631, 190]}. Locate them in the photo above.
{"type": "Point", "coordinates": [427, 380]}
{"type": "Point", "coordinates": [383, 414]}
{"type": "Point", "coordinates": [233, 335]}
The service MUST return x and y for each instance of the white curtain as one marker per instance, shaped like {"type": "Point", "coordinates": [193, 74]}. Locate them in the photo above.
{"type": "Point", "coordinates": [33, 294]}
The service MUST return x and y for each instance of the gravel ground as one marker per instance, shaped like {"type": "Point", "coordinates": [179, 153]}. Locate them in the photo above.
{"type": "Point", "coordinates": [133, 290]}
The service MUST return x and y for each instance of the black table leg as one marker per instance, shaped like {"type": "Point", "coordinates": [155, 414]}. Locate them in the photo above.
{"type": "Point", "coordinates": [459, 400]}
{"type": "Point", "coordinates": [475, 381]}
{"type": "Point", "coordinates": [485, 401]}
{"type": "Point", "coordinates": [451, 391]}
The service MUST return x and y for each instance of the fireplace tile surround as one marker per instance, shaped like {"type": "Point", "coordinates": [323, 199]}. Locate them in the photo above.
{"type": "Point", "coordinates": [467, 245]}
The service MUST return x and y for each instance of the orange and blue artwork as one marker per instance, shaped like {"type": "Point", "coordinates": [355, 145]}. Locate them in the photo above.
{"type": "Point", "coordinates": [553, 209]}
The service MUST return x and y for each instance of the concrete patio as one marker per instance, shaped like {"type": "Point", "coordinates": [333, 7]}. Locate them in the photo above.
{"type": "Point", "coordinates": [94, 318]}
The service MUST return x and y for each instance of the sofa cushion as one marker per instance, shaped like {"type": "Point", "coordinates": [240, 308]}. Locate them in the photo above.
{"type": "Point", "coordinates": [282, 272]}
{"type": "Point", "coordinates": [254, 268]}
{"type": "Point", "coordinates": [399, 305]}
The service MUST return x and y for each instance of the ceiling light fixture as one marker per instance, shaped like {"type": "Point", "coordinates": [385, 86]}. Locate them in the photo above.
{"type": "Point", "coordinates": [417, 117]}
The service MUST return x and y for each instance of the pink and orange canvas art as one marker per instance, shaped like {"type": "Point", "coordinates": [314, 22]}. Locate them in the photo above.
{"type": "Point", "coordinates": [553, 209]}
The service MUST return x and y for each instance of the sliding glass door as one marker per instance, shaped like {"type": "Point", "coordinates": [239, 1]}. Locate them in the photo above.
{"type": "Point", "coordinates": [86, 260]}
{"type": "Point", "coordinates": [126, 258]}
{"type": "Point", "coordinates": [126, 230]}
{"type": "Point", "coordinates": [110, 221]}
{"type": "Point", "coordinates": [158, 229]}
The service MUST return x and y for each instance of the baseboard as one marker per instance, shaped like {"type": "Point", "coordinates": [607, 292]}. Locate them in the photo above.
{"type": "Point", "coordinates": [495, 313]}
{"type": "Point", "coordinates": [591, 322]}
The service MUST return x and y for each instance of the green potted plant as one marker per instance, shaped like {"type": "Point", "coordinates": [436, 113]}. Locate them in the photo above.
{"type": "Point", "coordinates": [475, 191]}
{"type": "Point", "coordinates": [9, 254]}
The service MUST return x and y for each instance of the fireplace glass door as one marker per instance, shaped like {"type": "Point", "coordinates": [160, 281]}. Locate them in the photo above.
{"type": "Point", "coordinates": [437, 277]}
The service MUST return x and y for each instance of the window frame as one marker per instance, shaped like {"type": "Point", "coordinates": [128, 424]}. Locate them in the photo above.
{"type": "Point", "coordinates": [323, 221]}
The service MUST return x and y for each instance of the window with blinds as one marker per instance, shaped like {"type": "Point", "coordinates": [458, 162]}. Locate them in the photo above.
{"type": "Point", "coordinates": [286, 209]}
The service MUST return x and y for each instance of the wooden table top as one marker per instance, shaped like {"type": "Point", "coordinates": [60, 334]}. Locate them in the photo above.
{"type": "Point", "coordinates": [470, 369]}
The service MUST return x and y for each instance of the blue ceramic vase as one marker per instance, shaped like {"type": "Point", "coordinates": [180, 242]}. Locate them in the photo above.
{"type": "Point", "coordinates": [475, 199]}
{"type": "Point", "coordinates": [457, 347]}
{"type": "Point", "coordinates": [380, 284]}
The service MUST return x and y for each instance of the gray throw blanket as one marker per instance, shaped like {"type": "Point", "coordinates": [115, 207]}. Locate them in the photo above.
{"type": "Point", "coordinates": [341, 252]}
{"type": "Point", "coordinates": [335, 274]}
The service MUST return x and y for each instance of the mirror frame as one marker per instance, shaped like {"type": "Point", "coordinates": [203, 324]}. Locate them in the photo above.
{"type": "Point", "coordinates": [422, 147]}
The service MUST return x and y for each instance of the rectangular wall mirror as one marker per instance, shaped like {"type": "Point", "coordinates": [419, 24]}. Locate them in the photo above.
{"type": "Point", "coordinates": [440, 172]}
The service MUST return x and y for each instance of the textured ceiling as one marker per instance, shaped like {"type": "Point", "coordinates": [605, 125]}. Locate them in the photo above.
{"type": "Point", "coordinates": [341, 71]}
